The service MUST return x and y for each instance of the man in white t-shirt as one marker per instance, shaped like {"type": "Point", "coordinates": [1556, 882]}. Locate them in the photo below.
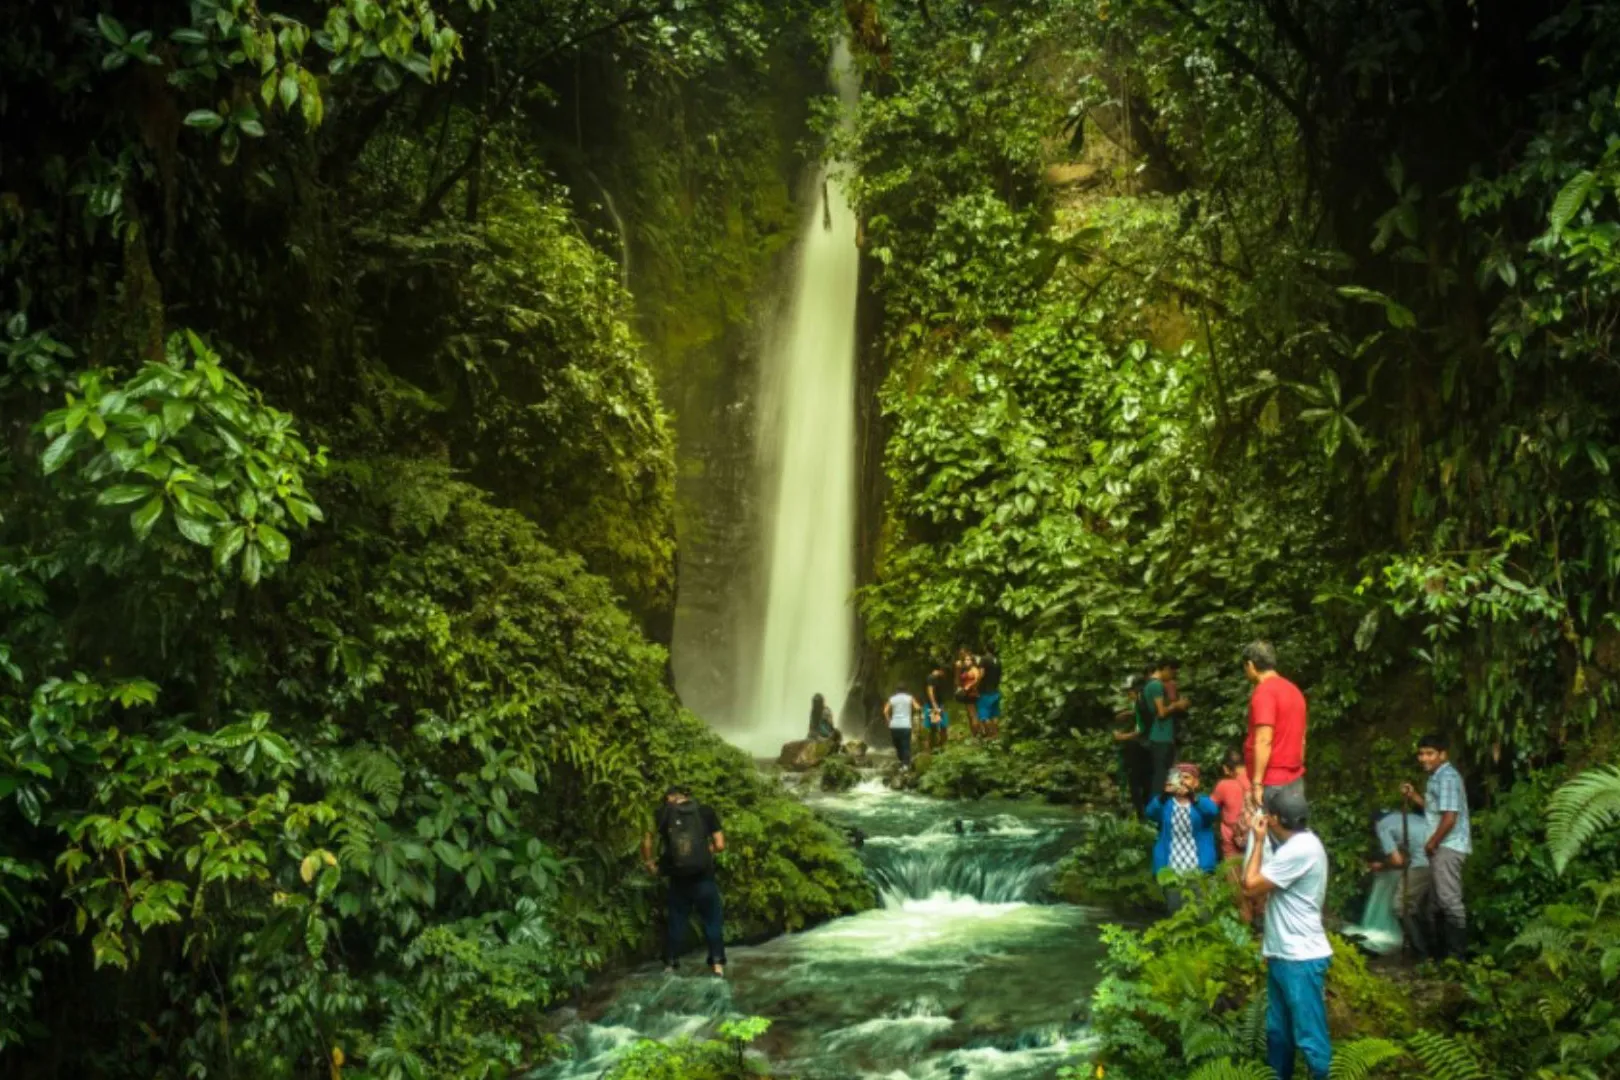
{"type": "Point", "coordinates": [1292, 879]}
{"type": "Point", "coordinates": [898, 711]}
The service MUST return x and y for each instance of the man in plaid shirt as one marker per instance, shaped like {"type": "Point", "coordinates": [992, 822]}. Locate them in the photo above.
{"type": "Point", "coordinates": [1445, 806]}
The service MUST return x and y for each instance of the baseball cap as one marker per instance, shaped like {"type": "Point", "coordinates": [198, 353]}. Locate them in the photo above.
{"type": "Point", "coordinates": [1288, 806]}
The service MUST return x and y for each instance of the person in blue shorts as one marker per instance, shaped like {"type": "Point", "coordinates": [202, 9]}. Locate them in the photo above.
{"type": "Point", "coordinates": [936, 718]}
{"type": "Point", "coordinates": [990, 693]}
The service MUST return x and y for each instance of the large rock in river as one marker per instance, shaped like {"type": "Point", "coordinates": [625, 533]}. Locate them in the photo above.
{"type": "Point", "coordinates": [802, 755]}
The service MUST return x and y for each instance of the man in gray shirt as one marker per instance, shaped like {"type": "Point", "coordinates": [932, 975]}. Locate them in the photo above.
{"type": "Point", "coordinates": [1405, 853]}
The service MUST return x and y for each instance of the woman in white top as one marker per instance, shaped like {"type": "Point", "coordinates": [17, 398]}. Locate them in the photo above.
{"type": "Point", "coordinates": [898, 711]}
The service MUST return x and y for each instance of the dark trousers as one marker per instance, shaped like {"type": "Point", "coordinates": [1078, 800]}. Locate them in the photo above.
{"type": "Point", "coordinates": [902, 743]}
{"type": "Point", "coordinates": [1137, 768]}
{"type": "Point", "coordinates": [1161, 755]}
{"type": "Point", "coordinates": [703, 896]}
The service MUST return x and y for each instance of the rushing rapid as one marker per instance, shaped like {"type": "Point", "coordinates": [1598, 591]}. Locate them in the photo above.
{"type": "Point", "coordinates": [965, 971]}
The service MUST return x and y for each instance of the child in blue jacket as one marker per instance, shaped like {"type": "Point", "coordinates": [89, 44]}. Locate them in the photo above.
{"type": "Point", "coordinates": [1188, 825]}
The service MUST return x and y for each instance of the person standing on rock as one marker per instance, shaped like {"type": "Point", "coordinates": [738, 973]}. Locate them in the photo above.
{"type": "Point", "coordinates": [967, 686]}
{"type": "Point", "coordinates": [989, 687]}
{"type": "Point", "coordinates": [1274, 751]}
{"type": "Point", "coordinates": [936, 717]}
{"type": "Point", "coordinates": [899, 711]}
{"type": "Point", "coordinates": [689, 837]}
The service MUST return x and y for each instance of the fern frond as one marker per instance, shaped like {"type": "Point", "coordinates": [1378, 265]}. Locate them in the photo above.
{"type": "Point", "coordinates": [1227, 1069]}
{"type": "Point", "coordinates": [1550, 943]}
{"type": "Point", "coordinates": [1445, 1059]}
{"type": "Point", "coordinates": [1360, 1059]}
{"type": "Point", "coordinates": [1204, 1039]}
{"type": "Point", "coordinates": [377, 774]}
{"type": "Point", "coordinates": [1251, 1030]}
{"type": "Point", "coordinates": [1580, 809]}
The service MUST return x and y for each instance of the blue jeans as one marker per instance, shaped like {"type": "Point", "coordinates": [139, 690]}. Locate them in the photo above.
{"type": "Point", "coordinates": [703, 895]}
{"type": "Point", "coordinates": [1296, 1016]}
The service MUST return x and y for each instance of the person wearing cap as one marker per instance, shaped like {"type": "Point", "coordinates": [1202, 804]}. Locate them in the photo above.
{"type": "Point", "coordinates": [691, 838]}
{"type": "Point", "coordinates": [1402, 838]}
{"type": "Point", "coordinates": [1187, 823]}
{"type": "Point", "coordinates": [1292, 880]}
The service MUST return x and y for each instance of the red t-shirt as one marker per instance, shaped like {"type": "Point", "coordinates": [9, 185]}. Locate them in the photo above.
{"type": "Point", "coordinates": [1277, 703]}
{"type": "Point", "coordinates": [1228, 795]}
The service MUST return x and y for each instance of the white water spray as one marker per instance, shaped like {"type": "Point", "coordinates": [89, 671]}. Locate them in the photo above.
{"type": "Point", "coordinates": [807, 457]}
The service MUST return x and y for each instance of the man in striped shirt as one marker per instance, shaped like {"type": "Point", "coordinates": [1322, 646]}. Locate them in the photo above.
{"type": "Point", "coordinates": [1445, 806]}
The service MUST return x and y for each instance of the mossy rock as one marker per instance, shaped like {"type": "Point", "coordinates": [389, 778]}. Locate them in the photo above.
{"type": "Point", "coordinates": [837, 774]}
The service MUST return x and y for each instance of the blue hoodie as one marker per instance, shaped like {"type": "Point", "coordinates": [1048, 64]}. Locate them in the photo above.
{"type": "Point", "coordinates": [1206, 818]}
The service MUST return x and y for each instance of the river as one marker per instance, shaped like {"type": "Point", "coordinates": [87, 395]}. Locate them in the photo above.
{"type": "Point", "coordinates": [965, 971]}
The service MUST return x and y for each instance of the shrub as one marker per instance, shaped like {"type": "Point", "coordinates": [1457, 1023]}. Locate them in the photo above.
{"type": "Point", "coordinates": [1111, 867]}
{"type": "Point", "coordinates": [837, 774]}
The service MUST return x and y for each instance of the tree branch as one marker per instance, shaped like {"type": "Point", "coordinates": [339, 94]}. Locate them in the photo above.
{"type": "Point", "coordinates": [1248, 65]}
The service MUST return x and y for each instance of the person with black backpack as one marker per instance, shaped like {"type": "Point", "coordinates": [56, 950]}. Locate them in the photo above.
{"type": "Point", "coordinates": [690, 837]}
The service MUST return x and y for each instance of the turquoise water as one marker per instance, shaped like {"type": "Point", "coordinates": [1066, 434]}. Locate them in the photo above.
{"type": "Point", "coordinates": [964, 972]}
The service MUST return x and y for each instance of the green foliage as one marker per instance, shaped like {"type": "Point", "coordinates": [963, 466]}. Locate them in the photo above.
{"type": "Point", "coordinates": [1070, 771]}
{"type": "Point", "coordinates": [317, 760]}
{"type": "Point", "coordinates": [837, 774]}
{"type": "Point", "coordinates": [1581, 809]}
{"type": "Point", "coordinates": [1446, 1059]}
{"type": "Point", "coordinates": [1362, 1059]}
{"type": "Point", "coordinates": [1111, 867]}
{"type": "Point", "coordinates": [690, 1059]}
{"type": "Point", "coordinates": [1512, 874]}
{"type": "Point", "coordinates": [1225, 1069]}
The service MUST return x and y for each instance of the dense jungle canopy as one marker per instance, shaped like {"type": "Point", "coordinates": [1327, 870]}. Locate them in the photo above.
{"type": "Point", "coordinates": [351, 352]}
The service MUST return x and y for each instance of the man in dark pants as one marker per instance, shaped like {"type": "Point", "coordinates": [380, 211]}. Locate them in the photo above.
{"type": "Point", "coordinates": [690, 836]}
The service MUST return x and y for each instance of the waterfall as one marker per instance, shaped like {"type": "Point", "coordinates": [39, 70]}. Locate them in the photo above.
{"type": "Point", "coordinates": [999, 860]}
{"type": "Point", "coordinates": [806, 456]}
{"type": "Point", "coordinates": [1380, 928]}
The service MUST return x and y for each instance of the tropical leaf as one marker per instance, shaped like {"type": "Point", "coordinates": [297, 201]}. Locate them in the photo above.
{"type": "Point", "coordinates": [1361, 1059]}
{"type": "Point", "coordinates": [1445, 1058]}
{"type": "Point", "coordinates": [1581, 808]}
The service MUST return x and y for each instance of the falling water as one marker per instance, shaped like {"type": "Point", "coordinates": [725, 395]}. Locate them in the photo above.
{"type": "Point", "coordinates": [965, 971]}
{"type": "Point", "coordinates": [1380, 928]}
{"type": "Point", "coordinates": [807, 457]}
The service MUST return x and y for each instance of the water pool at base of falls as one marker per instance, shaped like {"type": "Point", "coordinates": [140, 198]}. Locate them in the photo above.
{"type": "Point", "coordinates": [964, 972]}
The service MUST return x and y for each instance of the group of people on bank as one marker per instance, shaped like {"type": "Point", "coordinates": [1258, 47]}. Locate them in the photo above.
{"type": "Point", "coordinates": [1256, 822]}
{"type": "Point", "coordinates": [973, 684]}
{"type": "Point", "coordinates": [1258, 817]}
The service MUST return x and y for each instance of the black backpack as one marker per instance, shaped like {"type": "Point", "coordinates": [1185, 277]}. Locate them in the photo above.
{"type": "Point", "coordinates": [686, 841]}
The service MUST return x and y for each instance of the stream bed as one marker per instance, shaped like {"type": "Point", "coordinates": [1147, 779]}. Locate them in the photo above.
{"type": "Point", "coordinates": [964, 971]}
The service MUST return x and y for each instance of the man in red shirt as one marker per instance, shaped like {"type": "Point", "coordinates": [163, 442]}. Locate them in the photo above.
{"type": "Point", "coordinates": [1274, 752]}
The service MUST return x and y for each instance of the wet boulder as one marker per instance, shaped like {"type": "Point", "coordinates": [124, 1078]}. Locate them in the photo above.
{"type": "Point", "coordinates": [802, 755]}
{"type": "Point", "coordinates": [856, 752]}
